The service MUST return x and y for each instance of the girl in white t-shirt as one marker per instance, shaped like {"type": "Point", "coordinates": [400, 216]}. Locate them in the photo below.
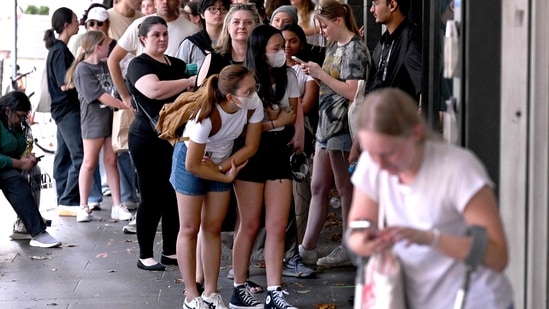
{"type": "Point", "coordinates": [430, 192]}
{"type": "Point", "coordinates": [203, 170]}
{"type": "Point", "coordinates": [267, 179]}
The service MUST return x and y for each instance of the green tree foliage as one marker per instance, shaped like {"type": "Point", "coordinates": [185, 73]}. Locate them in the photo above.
{"type": "Point", "coordinates": [34, 10]}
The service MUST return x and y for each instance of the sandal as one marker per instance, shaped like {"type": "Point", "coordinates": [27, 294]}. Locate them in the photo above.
{"type": "Point", "coordinates": [254, 287]}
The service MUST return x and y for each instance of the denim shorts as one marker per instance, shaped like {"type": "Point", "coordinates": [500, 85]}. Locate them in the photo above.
{"type": "Point", "coordinates": [188, 184]}
{"type": "Point", "coordinates": [342, 142]}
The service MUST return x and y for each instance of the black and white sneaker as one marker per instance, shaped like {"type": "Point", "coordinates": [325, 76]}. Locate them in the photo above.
{"type": "Point", "coordinates": [242, 299]}
{"type": "Point", "coordinates": [275, 300]}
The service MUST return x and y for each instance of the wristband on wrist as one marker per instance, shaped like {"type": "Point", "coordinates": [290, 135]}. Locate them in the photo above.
{"type": "Point", "coordinates": [272, 124]}
{"type": "Point", "coordinates": [436, 238]}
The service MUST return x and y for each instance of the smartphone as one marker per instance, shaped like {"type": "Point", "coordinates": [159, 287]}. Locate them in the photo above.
{"type": "Point", "coordinates": [298, 60]}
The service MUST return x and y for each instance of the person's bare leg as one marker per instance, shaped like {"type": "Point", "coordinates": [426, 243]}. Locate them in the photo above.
{"type": "Point", "coordinates": [278, 200]}
{"type": "Point", "coordinates": [213, 214]}
{"type": "Point", "coordinates": [321, 184]}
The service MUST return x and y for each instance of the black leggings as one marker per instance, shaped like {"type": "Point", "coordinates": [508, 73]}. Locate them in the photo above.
{"type": "Point", "coordinates": [153, 161]}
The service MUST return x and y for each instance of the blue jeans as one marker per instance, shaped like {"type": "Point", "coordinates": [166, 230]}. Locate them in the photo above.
{"type": "Point", "coordinates": [19, 195]}
{"type": "Point", "coordinates": [68, 159]}
{"type": "Point", "coordinates": [190, 184]}
{"type": "Point", "coordinates": [128, 187]}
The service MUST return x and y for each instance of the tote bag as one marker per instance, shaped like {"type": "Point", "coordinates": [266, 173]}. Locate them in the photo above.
{"type": "Point", "coordinates": [121, 121]}
{"type": "Point", "coordinates": [384, 280]}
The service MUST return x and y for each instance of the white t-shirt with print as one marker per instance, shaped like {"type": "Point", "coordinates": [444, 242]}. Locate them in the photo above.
{"type": "Point", "coordinates": [221, 143]}
{"type": "Point", "coordinates": [446, 181]}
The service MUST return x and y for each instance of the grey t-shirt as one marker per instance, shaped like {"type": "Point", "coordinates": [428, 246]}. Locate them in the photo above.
{"type": "Point", "coordinates": [91, 81]}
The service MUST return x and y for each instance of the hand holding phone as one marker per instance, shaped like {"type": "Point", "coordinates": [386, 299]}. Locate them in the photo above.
{"type": "Point", "coordinates": [297, 59]}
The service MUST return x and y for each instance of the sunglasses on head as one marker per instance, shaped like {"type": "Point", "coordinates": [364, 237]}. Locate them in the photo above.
{"type": "Point", "coordinates": [92, 23]}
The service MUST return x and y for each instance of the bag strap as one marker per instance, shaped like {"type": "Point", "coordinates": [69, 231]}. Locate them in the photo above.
{"type": "Point", "coordinates": [138, 107]}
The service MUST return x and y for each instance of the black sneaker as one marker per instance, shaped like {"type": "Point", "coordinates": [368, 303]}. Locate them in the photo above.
{"type": "Point", "coordinates": [242, 299]}
{"type": "Point", "coordinates": [275, 300]}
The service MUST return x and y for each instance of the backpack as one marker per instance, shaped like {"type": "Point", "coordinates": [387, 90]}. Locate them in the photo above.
{"type": "Point", "coordinates": [174, 116]}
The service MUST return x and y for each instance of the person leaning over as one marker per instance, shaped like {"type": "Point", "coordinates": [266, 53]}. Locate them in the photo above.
{"type": "Point", "coordinates": [203, 170]}
{"type": "Point", "coordinates": [14, 108]}
{"type": "Point", "coordinates": [426, 228]}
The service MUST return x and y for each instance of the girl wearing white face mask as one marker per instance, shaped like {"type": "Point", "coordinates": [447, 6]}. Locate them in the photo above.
{"type": "Point", "coordinates": [203, 170]}
{"type": "Point", "coordinates": [267, 178]}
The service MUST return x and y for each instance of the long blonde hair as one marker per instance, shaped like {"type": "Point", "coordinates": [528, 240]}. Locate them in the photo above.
{"type": "Point", "coordinates": [224, 44]}
{"type": "Point", "coordinates": [304, 12]}
{"type": "Point", "coordinates": [88, 43]}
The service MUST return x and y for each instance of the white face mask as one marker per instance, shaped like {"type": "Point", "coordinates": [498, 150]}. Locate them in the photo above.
{"type": "Point", "coordinates": [276, 60]}
{"type": "Point", "coordinates": [251, 102]}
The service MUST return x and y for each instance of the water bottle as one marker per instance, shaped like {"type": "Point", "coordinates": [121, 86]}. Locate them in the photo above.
{"type": "Point", "coordinates": [335, 202]}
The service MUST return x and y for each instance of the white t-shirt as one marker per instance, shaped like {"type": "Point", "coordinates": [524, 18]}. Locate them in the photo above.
{"type": "Point", "coordinates": [292, 91]}
{"type": "Point", "coordinates": [178, 30]}
{"type": "Point", "coordinates": [446, 181]}
{"type": "Point", "coordinates": [302, 78]}
{"type": "Point", "coordinates": [221, 143]}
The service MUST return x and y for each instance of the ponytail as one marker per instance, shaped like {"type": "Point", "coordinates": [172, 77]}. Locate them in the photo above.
{"type": "Point", "coordinates": [69, 76]}
{"type": "Point", "coordinates": [350, 21]}
{"type": "Point", "coordinates": [49, 38]}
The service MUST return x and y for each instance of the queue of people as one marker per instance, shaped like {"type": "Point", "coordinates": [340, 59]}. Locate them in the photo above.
{"type": "Point", "coordinates": [258, 96]}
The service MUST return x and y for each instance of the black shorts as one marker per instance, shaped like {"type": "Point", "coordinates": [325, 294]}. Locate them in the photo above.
{"type": "Point", "coordinates": [272, 159]}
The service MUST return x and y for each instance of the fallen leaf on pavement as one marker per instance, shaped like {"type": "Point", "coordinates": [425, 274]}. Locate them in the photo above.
{"type": "Point", "coordinates": [303, 291]}
{"type": "Point", "coordinates": [179, 281]}
{"type": "Point", "coordinates": [325, 306]}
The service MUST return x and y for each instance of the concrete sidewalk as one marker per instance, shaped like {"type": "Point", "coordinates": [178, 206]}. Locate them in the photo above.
{"type": "Point", "coordinates": [96, 268]}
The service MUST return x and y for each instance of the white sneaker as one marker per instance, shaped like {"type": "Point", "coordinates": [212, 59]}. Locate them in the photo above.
{"type": "Point", "coordinates": [44, 240]}
{"type": "Point", "coordinates": [67, 211]}
{"type": "Point", "coordinates": [84, 214]}
{"type": "Point", "coordinates": [308, 257]}
{"type": "Point", "coordinates": [214, 301]}
{"type": "Point", "coordinates": [337, 258]}
{"type": "Point", "coordinates": [95, 205]}
{"type": "Point", "coordinates": [120, 212]}
{"type": "Point", "coordinates": [196, 303]}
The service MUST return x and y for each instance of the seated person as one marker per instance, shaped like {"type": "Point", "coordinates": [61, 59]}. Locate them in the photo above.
{"type": "Point", "coordinates": [14, 108]}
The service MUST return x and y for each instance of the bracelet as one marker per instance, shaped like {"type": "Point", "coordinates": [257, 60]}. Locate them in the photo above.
{"type": "Point", "coordinates": [436, 238]}
{"type": "Point", "coordinates": [272, 124]}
